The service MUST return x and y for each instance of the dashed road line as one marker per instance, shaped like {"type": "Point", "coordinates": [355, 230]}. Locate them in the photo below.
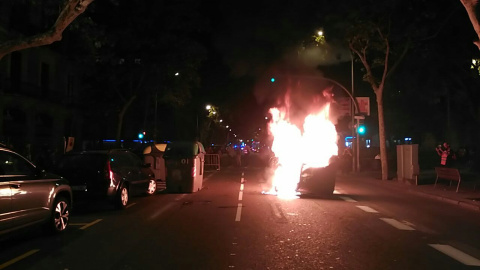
{"type": "Point", "coordinates": [397, 224]}
{"type": "Point", "coordinates": [239, 212]}
{"type": "Point", "coordinates": [275, 210]}
{"type": "Point", "coordinates": [367, 209]}
{"type": "Point", "coordinates": [347, 199]}
{"type": "Point", "coordinates": [21, 257]}
{"type": "Point", "coordinates": [456, 254]}
{"type": "Point", "coordinates": [130, 205]}
{"type": "Point", "coordinates": [180, 197]}
{"type": "Point", "coordinates": [162, 210]}
{"type": "Point", "coordinates": [90, 224]}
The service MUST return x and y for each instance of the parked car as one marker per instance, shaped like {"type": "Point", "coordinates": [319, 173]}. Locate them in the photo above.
{"type": "Point", "coordinates": [30, 196]}
{"type": "Point", "coordinates": [113, 175]}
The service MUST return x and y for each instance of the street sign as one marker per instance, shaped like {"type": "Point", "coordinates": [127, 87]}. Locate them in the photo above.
{"type": "Point", "coordinates": [363, 105]}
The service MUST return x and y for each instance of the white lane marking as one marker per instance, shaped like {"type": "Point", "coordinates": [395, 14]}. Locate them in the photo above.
{"type": "Point", "coordinates": [19, 258]}
{"type": "Point", "coordinates": [240, 195]}
{"type": "Point", "coordinates": [347, 199]}
{"type": "Point", "coordinates": [241, 187]}
{"type": "Point", "coordinates": [367, 209]}
{"type": "Point", "coordinates": [90, 224]}
{"type": "Point", "coordinates": [208, 177]}
{"type": "Point", "coordinates": [456, 254]}
{"type": "Point", "coordinates": [161, 210]}
{"type": "Point", "coordinates": [130, 205]}
{"type": "Point", "coordinates": [275, 210]}
{"type": "Point", "coordinates": [180, 197]}
{"type": "Point", "coordinates": [239, 212]}
{"type": "Point", "coordinates": [397, 224]}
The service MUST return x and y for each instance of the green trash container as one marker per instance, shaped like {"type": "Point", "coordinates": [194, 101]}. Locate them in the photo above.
{"type": "Point", "coordinates": [184, 164]}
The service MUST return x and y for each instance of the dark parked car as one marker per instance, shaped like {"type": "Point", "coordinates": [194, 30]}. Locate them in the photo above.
{"type": "Point", "coordinates": [29, 195]}
{"type": "Point", "coordinates": [106, 174]}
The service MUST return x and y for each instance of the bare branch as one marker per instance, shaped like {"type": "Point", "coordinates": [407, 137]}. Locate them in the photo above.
{"type": "Point", "coordinates": [71, 10]}
{"type": "Point", "coordinates": [470, 8]}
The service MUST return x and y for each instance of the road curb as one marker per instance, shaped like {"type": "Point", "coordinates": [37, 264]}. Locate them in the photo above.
{"type": "Point", "coordinates": [461, 203]}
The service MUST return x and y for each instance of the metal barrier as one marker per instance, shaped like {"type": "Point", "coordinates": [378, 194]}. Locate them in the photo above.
{"type": "Point", "coordinates": [212, 161]}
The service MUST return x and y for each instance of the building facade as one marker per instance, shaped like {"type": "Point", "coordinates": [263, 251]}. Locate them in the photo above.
{"type": "Point", "coordinates": [37, 101]}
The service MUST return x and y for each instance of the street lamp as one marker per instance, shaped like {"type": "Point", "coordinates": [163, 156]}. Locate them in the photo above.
{"type": "Point", "coordinates": [320, 39]}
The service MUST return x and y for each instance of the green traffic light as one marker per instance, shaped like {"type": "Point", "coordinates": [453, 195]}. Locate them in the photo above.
{"type": "Point", "coordinates": [361, 130]}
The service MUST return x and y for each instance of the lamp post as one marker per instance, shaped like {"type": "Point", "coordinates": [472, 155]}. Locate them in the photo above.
{"type": "Point", "coordinates": [355, 116]}
{"type": "Point", "coordinates": [319, 40]}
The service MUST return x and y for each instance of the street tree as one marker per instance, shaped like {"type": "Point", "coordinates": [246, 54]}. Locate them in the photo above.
{"type": "Point", "coordinates": [379, 38]}
{"type": "Point", "coordinates": [470, 7]}
{"type": "Point", "coordinates": [149, 54]}
{"type": "Point", "coordinates": [14, 40]}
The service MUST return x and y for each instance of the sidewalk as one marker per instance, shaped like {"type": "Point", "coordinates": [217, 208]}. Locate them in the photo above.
{"type": "Point", "coordinates": [466, 196]}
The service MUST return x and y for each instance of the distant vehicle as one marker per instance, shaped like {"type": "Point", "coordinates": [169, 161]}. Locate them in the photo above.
{"type": "Point", "coordinates": [111, 175]}
{"type": "Point", "coordinates": [30, 196]}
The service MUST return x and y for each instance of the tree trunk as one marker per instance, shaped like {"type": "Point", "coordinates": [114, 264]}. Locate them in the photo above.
{"type": "Point", "coordinates": [381, 134]}
{"type": "Point", "coordinates": [470, 6]}
{"type": "Point", "coordinates": [121, 116]}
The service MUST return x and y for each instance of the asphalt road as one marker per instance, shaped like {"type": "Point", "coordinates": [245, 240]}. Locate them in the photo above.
{"type": "Point", "coordinates": [230, 224]}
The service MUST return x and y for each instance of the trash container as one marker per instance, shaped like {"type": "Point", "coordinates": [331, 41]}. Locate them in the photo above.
{"type": "Point", "coordinates": [153, 155]}
{"type": "Point", "coordinates": [184, 163]}
{"type": "Point", "coordinates": [319, 181]}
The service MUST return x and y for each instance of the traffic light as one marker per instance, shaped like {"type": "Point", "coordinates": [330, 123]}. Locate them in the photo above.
{"type": "Point", "coordinates": [272, 79]}
{"type": "Point", "coordinates": [361, 129]}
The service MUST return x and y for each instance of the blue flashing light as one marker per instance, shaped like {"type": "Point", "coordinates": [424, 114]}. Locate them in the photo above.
{"type": "Point", "coordinates": [272, 79]}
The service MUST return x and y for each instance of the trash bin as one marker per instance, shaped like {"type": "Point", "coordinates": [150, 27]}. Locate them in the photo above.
{"type": "Point", "coordinates": [184, 163]}
{"type": "Point", "coordinates": [153, 155]}
{"type": "Point", "coordinates": [320, 181]}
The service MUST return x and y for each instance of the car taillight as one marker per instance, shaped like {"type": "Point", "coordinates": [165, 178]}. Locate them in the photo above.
{"type": "Point", "coordinates": [109, 174]}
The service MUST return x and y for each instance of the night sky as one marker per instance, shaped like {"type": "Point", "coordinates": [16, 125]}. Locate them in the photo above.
{"type": "Point", "coordinates": [251, 40]}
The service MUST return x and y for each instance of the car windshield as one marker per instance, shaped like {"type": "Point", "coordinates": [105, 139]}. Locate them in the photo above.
{"type": "Point", "coordinates": [93, 161]}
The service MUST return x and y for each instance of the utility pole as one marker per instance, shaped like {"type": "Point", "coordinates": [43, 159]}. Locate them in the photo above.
{"type": "Point", "coordinates": [357, 154]}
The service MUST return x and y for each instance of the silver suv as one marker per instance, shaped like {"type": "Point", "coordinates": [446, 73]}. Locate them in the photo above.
{"type": "Point", "coordinates": [29, 195]}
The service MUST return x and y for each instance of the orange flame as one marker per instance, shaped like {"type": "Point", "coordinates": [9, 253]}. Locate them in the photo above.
{"type": "Point", "coordinates": [296, 150]}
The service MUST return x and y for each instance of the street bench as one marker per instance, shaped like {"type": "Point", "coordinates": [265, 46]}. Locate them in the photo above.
{"type": "Point", "coordinates": [450, 174]}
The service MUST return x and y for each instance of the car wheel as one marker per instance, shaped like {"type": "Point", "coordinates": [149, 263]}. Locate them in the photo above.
{"type": "Point", "coordinates": [152, 187]}
{"type": "Point", "coordinates": [60, 216]}
{"type": "Point", "coordinates": [122, 197]}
